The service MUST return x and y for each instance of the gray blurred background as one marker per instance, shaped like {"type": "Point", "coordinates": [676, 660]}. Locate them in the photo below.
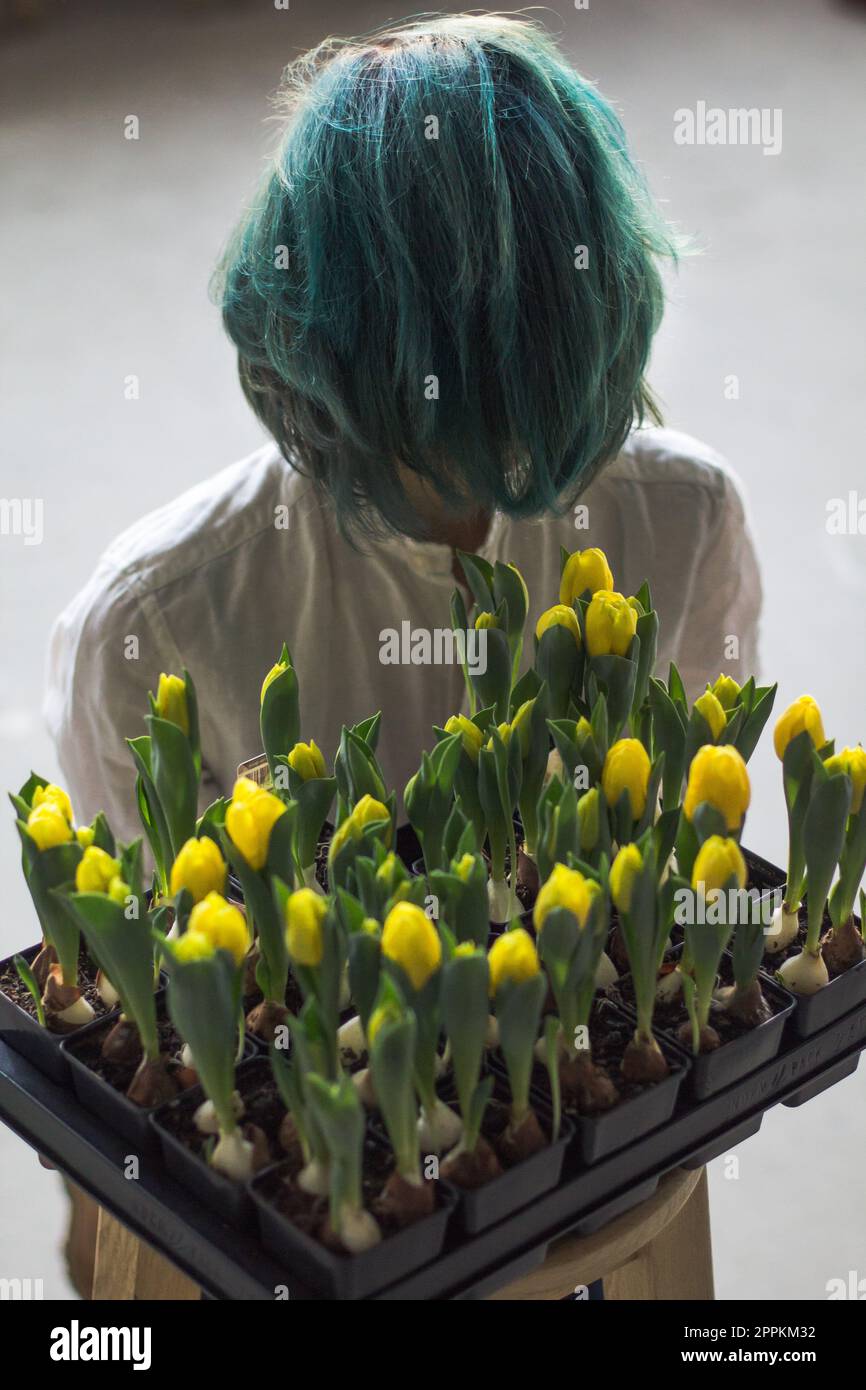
{"type": "Point", "coordinates": [106, 247]}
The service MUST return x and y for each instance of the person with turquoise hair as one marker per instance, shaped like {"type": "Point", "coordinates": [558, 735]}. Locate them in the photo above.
{"type": "Point", "coordinates": [443, 297]}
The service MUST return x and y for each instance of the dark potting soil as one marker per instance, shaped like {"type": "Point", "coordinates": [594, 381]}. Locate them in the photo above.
{"type": "Point", "coordinates": [118, 1075]}
{"type": "Point", "coordinates": [670, 1015]}
{"type": "Point", "coordinates": [308, 1213]}
{"type": "Point", "coordinates": [11, 986]}
{"type": "Point", "coordinates": [263, 1106]}
{"type": "Point", "coordinates": [497, 1115]}
{"type": "Point", "coordinates": [609, 1036]}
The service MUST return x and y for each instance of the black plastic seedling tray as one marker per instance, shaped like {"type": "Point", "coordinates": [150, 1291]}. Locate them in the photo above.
{"type": "Point", "coordinates": [233, 1264]}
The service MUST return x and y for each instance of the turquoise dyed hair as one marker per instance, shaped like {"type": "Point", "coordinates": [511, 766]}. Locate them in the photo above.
{"type": "Point", "coordinates": [403, 293]}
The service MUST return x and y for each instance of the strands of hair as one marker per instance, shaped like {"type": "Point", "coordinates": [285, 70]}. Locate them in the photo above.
{"type": "Point", "coordinates": [407, 290]}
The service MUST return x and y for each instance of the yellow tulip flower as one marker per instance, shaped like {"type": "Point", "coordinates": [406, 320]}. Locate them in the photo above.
{"type": "Point", "coordinates": [716, 862]}
{"type": "Point", "coordinates": [512, 957]}
{"type": "Point", "coordinates": [250, 818]}
{"type": "Point", "coordinates": [200, 868]}
{"type": "Point", "coordinates": [193, 945]}
{"type": "Point", "coordinates": [220, 923]}
{"type": "Point", "coordinates": [305, 913]}
{"type": "Point", "coordinates": [464, 866]}
{"type": "Point", "coordinates": [276, 670]}
{"type": "Point", "coordinates": [84, 835]}
{"type": "Point", "coordinates": [726, 691]}
{"type": "Point", "coordinates": [486, 620]}
{"type": "Point", "coordinates": [560, 615]}
{"type": "Point", "coordinates": [95, 871]}
{"type": "Point", "coordinates": [48, 826]}
{"type": "Point", "coordinates": [584, 569]}
{"type": "Point", "coordinates": [853, 762]}
{"type": "Point", "coordinates": [611, 623]}
{"type": "Point", "coordinates": [410, 939]}
{"type": "Point", "coordinates": [588, 811]}
{"type": "Point", "coordinates": [566, 888]}
{"type": "Point", "coordinates": [306, 760]}
{"type": "Point", "coordinates": [53, 795]}
{"type": "Point", "coordinates": [470, 733]}
{"type": "Point", "coordinates": [718, 776]}
{"type": "Point", "coordinates": [623, 871]}
{"type": "Point", "coordinates": [626, 768]}
{"type": "Point", "coordinates": [171, 701]}
{"type": "Point", "coordinates": [118, 890]}
{"type": "Point", "coordinates": [710, 706]}
{"type": "Point", "coordinates": [802, 714]}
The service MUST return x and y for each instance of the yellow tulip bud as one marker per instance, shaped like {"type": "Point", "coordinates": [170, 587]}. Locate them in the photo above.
{"type": "Point", "coordinates": [371, 926]}
{"type": "Point", "coordinates": [717, 861]}
{"type": "Point", "coordinates": [504, 731]}
{"type": "Point", "coordinates": [623, 872]}
{"type": "Point", "coordinates": [193, 945]}
{"type": "Point", "coordinates": [48, 826]}
{"type": "Point", "coordinates": [222, 924]}
{"type": "Point", "coordinates": [464, 867]}
{"type": "Point", "coordinates": [611, 623]}
{"type": "Point", "coordinates": [305, 913]}
{"type": "Point", "coordinates": [851, 761]}
{"type": "Point", "coordinates": [522, 724]}
{"type": "Point", "coordinates": [465, 948]}
{"type": "Point", "coordinates": [388, 871]}
{"type": "Point", "coordinates": [84, 835]}
{"type": "Point", "coordinates": [275, 671]}
{"type": "Point", "coordinates": [512, 957]}
{"type": "Point", "coordinates": [171, 701]}
{"type": "Point", "coordinates": [386, 1013]}
{"type": "Point", "coordinates": [200, 868]}
{"type": "Point", "coordinates": [711, 708]}
{"type": "Point", "coordinates": [802, 714]}
{"type": "Point", "coordinates": [567, 888]}
{"type": "Point", "coordinates": [718, 776]}
{"type": "Point", "coordinates": [95, 871]}
{"type": "Point", "coordinates": [560, 615]}
{"type": "Point", "coordinates": [470, 733]}
{"type": "Point", "coordinates": [726, 691]}
{"type": "Point", "coordinates": [250, 818]}
{"type": "Point", "coordinates": [522, 583]}
{"type": "Point", "coordinates": [584, 569]}
{"type": "Point", "coordinates": [52, 795]}
{"type": "Point", "coordinates": [588, 811]}
{"type": "Point", "coordinates": [626, 768]}
{"type": "Point", "coordinates": [367, 811]}
{"type": "Point", "coordinates": [118, 890]}
{"type": "Point", "coordinates": [410, 939]}
{"type": "Point", "coordinates": [306, 760]}
{"type": "Point", "coordinates": [486, 620]}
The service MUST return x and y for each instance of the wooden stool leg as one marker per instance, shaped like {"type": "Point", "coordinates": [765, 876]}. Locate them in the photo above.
{"type": "Point", "coordinates": [159, 1279]}
{"type": "Point", "coordinates": [127, 1268]}
{"type": "Point", "coordinates": [115, 1266]}
{"type": "Point", "coordinates": [677, 1264]}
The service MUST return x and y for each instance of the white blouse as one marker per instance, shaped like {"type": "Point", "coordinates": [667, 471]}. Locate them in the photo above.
{"type": "Point", "coordinates": [219, 578]}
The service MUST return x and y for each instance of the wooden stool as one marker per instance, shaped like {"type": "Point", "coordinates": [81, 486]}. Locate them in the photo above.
{"type": "Point", "coordinates": [661, 1250]}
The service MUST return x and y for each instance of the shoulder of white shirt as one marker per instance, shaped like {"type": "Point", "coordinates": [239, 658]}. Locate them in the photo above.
{"type": "Point", "coordinates": [234, 506]}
